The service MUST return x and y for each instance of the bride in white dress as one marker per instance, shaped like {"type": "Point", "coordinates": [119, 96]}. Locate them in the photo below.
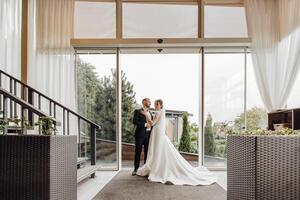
{"type": "Point", "coordinates": [164, 163]}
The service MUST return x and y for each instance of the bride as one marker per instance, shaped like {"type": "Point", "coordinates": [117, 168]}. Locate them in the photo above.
{"type": "Point", "coordinates": [164, 163]}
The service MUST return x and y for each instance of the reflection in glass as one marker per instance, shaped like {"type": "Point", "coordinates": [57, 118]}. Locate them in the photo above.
{"type": "Point", "coordinates": [223, 103]}
{"type": "Point", "coordinates": [96, 100]}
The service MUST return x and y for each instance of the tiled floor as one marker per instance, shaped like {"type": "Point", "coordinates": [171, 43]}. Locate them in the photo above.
{"type": "Point", "coordinates": [222, 178]}
{"type": "Point", "coordinates": [88, 188]}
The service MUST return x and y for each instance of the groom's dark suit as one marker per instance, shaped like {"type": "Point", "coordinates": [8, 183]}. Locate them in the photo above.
{"type": "Point", "coordinates": [142, 137]}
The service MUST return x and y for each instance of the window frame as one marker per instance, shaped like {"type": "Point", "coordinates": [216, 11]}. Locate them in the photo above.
{"type": "Point", "coordinates": [201, 4]}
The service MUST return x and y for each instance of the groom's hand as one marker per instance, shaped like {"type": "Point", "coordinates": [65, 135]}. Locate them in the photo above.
{"type": "Point", "coordinates": [148, 125]}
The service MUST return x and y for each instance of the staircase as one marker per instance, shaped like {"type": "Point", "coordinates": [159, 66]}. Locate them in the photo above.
{"type": "Point", "coordinates": [20, 99]}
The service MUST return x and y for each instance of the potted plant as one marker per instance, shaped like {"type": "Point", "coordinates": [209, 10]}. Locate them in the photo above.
{"type": "Point", "coordinates": [16, 123]}
{"type": "Point", "coordinates": [16, 120]}
{"type": "Point", "coordinates": [3, 125]}
{"type": "Point", "coordinates": [263, 164]}
{"type": "Point", "coordinates": [46, 125]}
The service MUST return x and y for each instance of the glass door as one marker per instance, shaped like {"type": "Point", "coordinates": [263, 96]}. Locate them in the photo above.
{"type": "Point", "coordinates": [203, 90]}
{"type": "Point", "coordinates": [96, 81]}
{"type": "Point", "coordinates": [170, 74]}
{"type": "Point", "coordinates": [224, 101]}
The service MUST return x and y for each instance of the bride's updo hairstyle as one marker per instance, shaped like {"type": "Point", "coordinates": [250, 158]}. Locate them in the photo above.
{"type": "Point", "coordinates": [161, 103]}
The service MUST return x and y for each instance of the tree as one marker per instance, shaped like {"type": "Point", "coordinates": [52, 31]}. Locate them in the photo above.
{"type": "Point", "coordinates": [209, 145]}
{"type": "Point", "coordinates": [87, 87]}
{"type": "Point", "coordinates": [194, 130]}
{"type": "Point", "coordinates": [256, 119]}
{"type": "Point", "coordinates": [106, 108]}
{"type": "Point", "coordinates": [97, 101]}
{"type": "Point", "coordinates": [128, 106]}
{"type": "Point", "coordinates": [185, 140]}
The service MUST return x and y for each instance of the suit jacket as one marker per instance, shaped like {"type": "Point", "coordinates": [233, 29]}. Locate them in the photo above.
{"type": "Point", "coordinates": [139, 120]}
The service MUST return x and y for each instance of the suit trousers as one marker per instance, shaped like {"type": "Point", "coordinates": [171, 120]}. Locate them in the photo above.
{"type": "Point", "coordinates": [140, 141]}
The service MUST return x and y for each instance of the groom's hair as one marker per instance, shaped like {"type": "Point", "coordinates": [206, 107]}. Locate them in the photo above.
{"type": "Point", "coordinates": [145, 99]}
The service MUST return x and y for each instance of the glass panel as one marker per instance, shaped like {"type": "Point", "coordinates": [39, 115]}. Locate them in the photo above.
{"type": "Point", "coordinates": [173, 77]}
{"type": "Point", "coordinates": [96, 100]}
{"type": "Point", "coordinates": [159, 21]}
{"type": "Point", "coordinates": [256, 112]}
{"type": "Point", "coordinates": [223, 102]}
{"type": "Point", "coordinates": [222, 21]}
{"type": "Point", "coordinates": [94, 19]}
{"type": "Point", "coordinates": [294, 98]}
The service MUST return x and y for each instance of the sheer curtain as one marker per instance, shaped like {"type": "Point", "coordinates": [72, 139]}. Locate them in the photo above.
{"type": "Point", "coordinates": [51, 67]}
{"type": "Point", "coordinates": [10, 36]}
{"type": "Point", "coordinates": [51, 57]}
{"type": "Point", "coordinates": [274, 28]}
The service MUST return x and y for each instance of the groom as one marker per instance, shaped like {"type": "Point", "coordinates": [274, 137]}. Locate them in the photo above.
{"type": "Point", "coordinates": [142, 133]}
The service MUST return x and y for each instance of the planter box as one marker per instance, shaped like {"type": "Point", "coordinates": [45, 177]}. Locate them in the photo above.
{"type": "Point", "coordinates": [38, 167]}
{"type": "Point", "coordinates": [263, 167]}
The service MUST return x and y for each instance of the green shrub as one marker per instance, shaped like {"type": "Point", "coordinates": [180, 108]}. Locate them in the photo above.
{"type": "Point", "coordinates": [185, 140]}
{"type": "Point", "coordinates": [284, 131]}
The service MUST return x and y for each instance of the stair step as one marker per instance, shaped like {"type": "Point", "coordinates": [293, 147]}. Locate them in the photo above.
{"type": "Point", "coordinates": [86, 172]}
{"type": "Point", "coordinates": [81, 161]}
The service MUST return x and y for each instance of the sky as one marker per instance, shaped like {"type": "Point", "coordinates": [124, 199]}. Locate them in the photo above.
{"type": "Point", "coordinates": [158, 76]}
{"type": "Point", "coordinates": [175, 79]}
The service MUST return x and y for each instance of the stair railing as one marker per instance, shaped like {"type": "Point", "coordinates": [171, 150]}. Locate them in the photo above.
{"type": "Point", "coordinates": [26, 101]}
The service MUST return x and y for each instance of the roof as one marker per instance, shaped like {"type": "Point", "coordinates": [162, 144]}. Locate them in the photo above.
{"type": "Point", "coordinates": [178, 113]}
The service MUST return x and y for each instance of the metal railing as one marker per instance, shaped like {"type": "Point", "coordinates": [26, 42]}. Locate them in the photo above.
{"type": "Point", "coordinates": [26, 97]}
{"type": "Point", "coordinates": [24, 106]}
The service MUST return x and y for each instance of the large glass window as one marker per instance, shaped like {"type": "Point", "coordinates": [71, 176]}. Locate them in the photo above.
{"type": "Point", "coordinates": [172, 75]}
{"type": "Point", "coordinates": [224, 105]}
{"type": "Point", "coordinates": [223, 102]}
{"type": "Point", "coordinates": [159, 20]}
{"type": "Point", "coordinates": [96, 100]}
{"type": "Point", "coordinates": [95, 19]}
{"type": "Point", "coordinates": [221, 21]}
{"type": "Point", "coordinates": [294, 98]}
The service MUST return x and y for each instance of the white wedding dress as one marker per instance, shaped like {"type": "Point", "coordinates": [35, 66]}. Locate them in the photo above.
{"type": "Point", "coordinates": [165, 164]}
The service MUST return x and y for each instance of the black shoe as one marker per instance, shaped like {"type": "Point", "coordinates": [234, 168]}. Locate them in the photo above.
{"type": "Point", "coordinates": [134, 173]}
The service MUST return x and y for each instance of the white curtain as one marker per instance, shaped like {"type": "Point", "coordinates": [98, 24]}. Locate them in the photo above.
{"type": "Point", "coordinates": [10, 36]}
{"type": "Point", "coordinates": [51, 67]}
{"type": "Point", "coordinates": [274, 28]}
{"type": "Point", "coordinates": [51, 59]}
